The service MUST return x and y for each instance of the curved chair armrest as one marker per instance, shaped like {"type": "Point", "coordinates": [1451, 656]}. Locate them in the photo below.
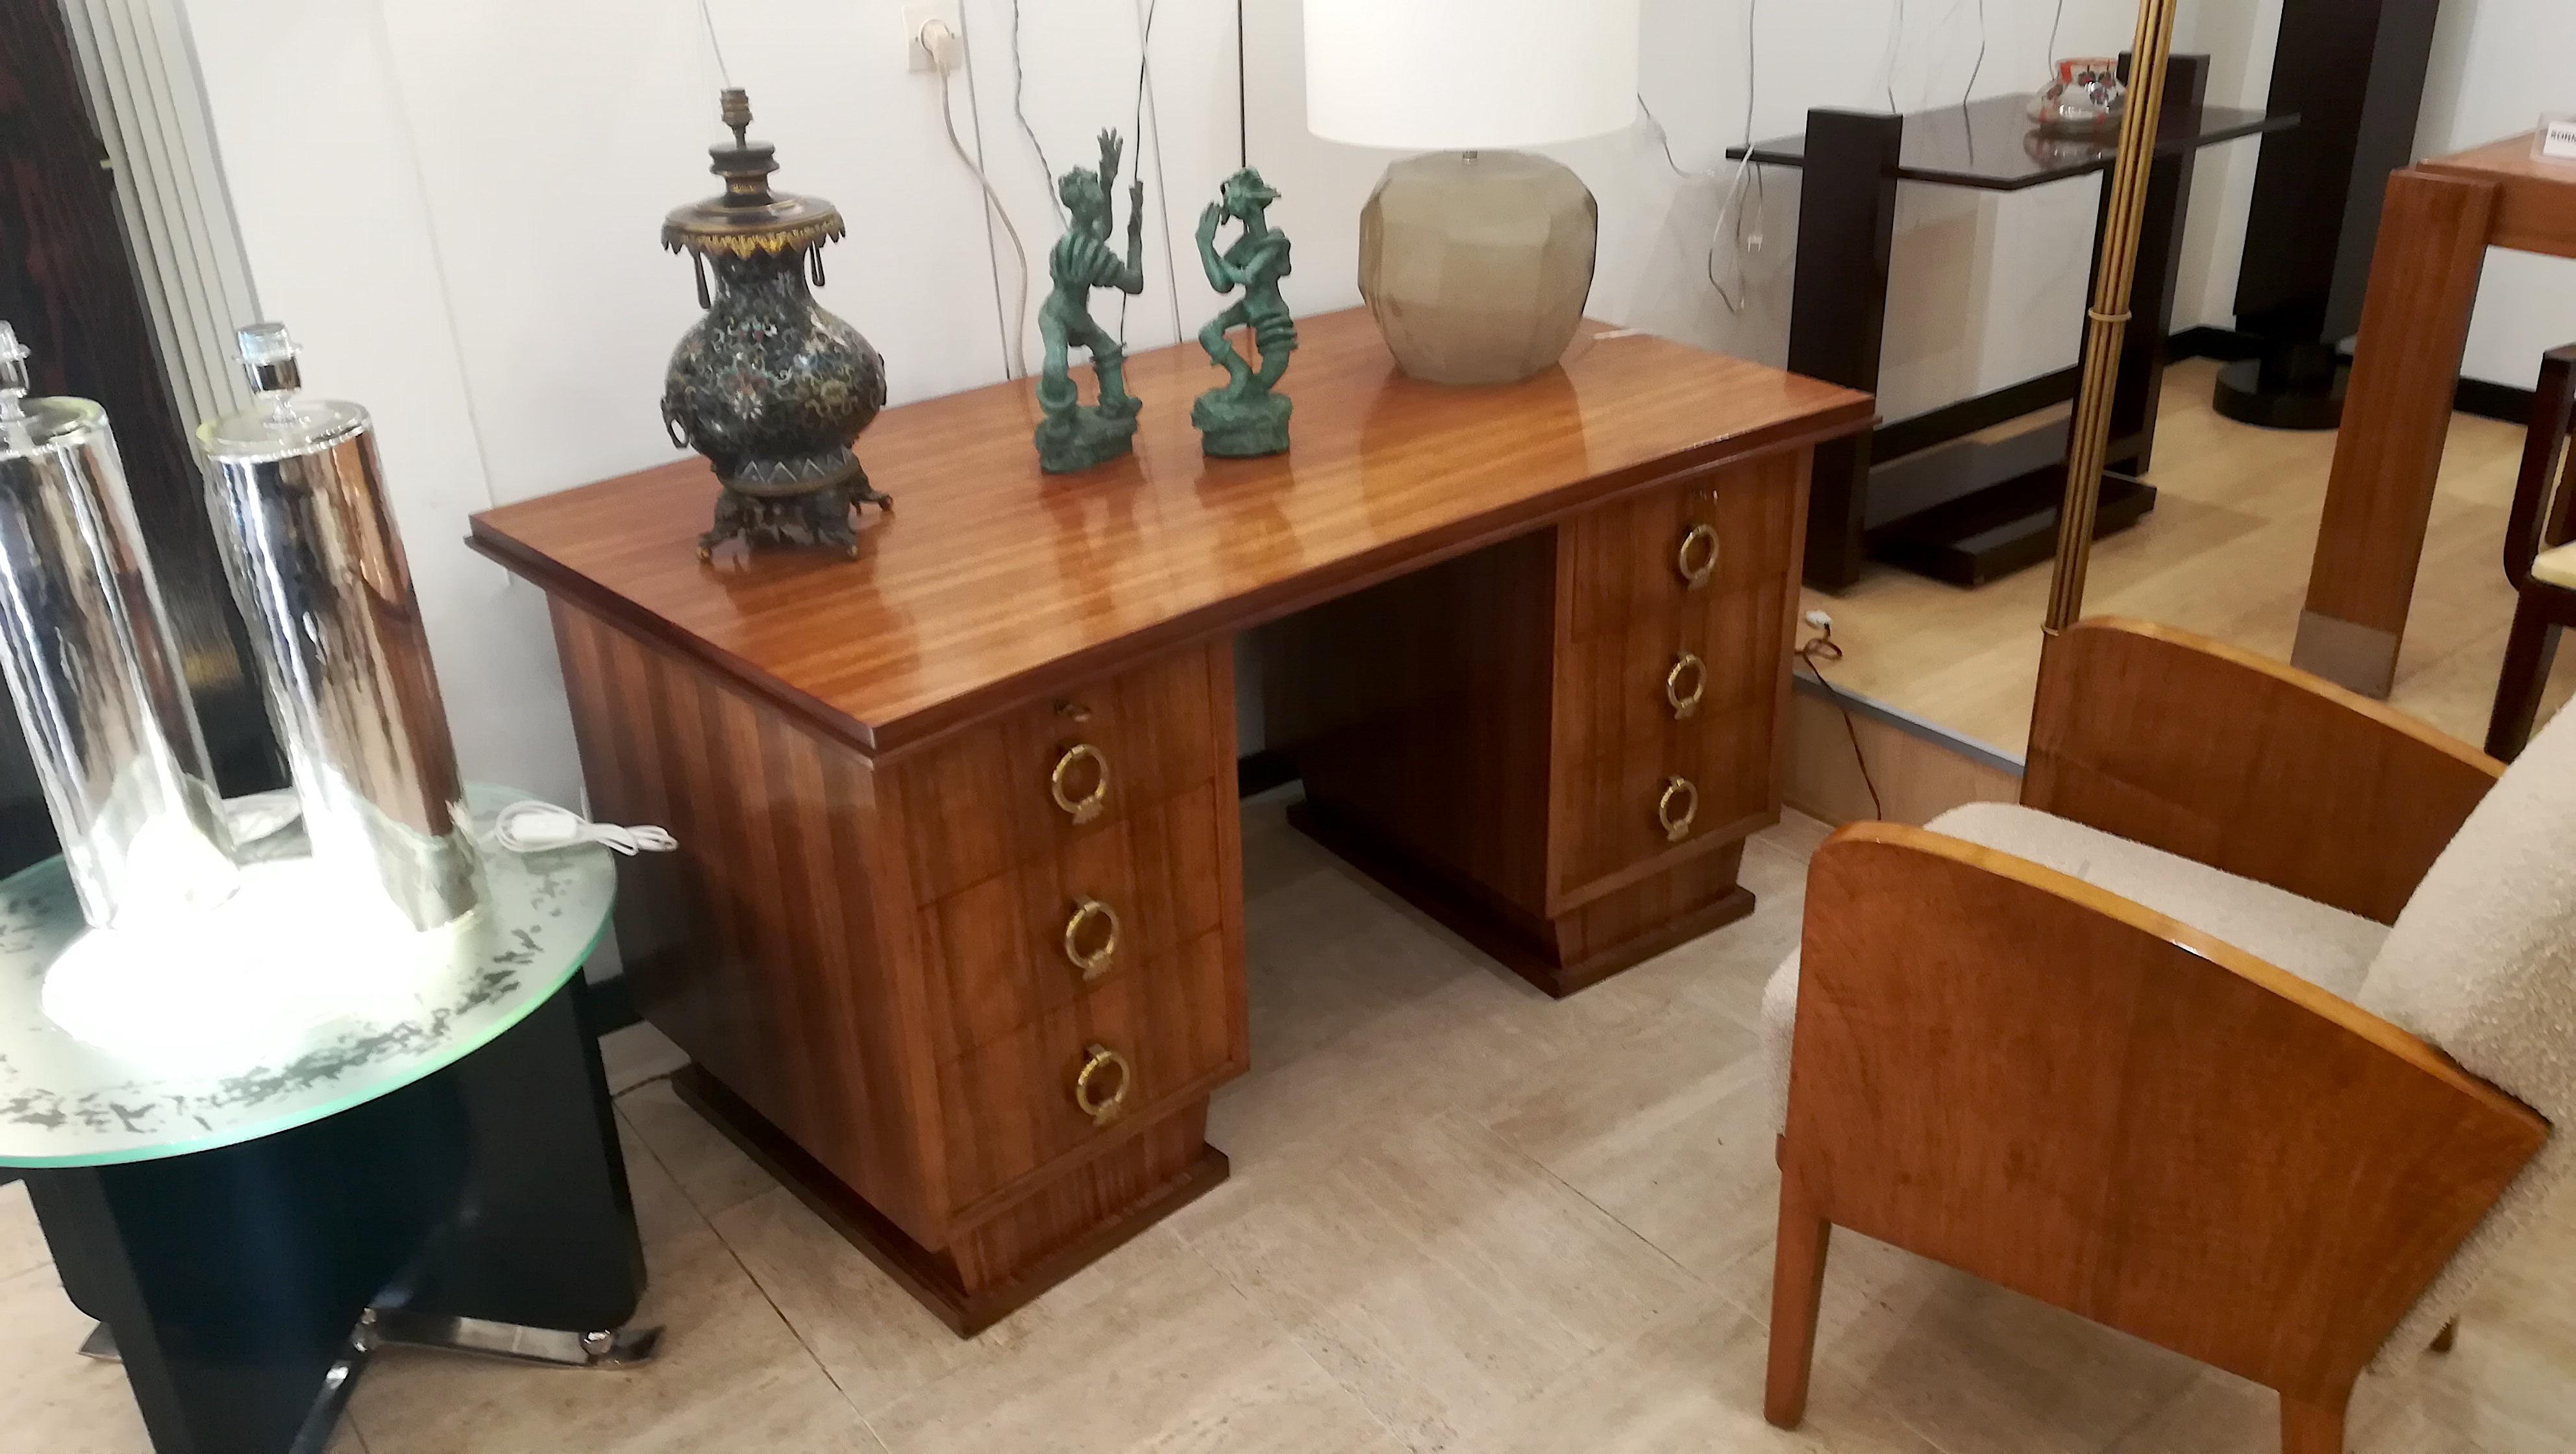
{"type": "Point", "coordinates": [2062, 1091]}
{"type": "Point", "coordinates": [2245, 764]}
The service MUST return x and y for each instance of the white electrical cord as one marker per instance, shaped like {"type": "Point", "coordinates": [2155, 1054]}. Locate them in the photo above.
{"type": "Point", "coordinates": [941, 43]}
{"type": "Point", "coordinates": [530, 826]}
{"type": "Point", "coordinates": [1748, 235]}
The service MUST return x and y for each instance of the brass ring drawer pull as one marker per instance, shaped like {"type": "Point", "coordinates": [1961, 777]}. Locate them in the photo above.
{"type": "Point", "coordinates": [1697, 558]}
{"type": "Point", "coordinates": [1099, 1063]}
{"type": "Point", "coordinates": [1687, 668]}
{"type": "Point", "coordinates": [1087, 806]}
{"type": "Point", "coordinates": [1675, 809]}
{"type": "Point", "coordinates": [1088, 913]}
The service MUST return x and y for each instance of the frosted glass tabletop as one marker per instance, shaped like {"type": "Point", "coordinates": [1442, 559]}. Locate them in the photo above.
{"type": "Point", "coordinates": [66, 1101]}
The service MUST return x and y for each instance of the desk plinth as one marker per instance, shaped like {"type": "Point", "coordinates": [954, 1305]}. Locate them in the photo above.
{"type": "Point", "coordinates": [956, 936]}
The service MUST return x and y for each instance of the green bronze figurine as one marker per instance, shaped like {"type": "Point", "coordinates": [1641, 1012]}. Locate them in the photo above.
{"type": "Point", "coordinates": [1243, 418]}
{"type": "Point", "coordinates": [1072, 436]}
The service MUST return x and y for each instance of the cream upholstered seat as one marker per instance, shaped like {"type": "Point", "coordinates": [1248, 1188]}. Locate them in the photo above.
{"type": "Point", "coordinates": [2325, 946]}
{"type": "Point", "coordinates": [2557, 567]}
{"type": "Point", "coordinates": [2481, 962]}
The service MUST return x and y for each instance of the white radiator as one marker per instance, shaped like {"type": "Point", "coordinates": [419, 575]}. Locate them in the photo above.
{"type": "Point", "coordinates": [145, 102]}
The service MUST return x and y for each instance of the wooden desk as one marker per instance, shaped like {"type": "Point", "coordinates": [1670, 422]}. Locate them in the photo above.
{"type": "Point", "coordinates": [2439, 219]}
{"type": "Point", "coordinates": [913, 789]}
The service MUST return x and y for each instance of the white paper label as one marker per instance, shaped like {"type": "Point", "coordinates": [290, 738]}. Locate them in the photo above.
{"type": "Point", "coordinates": [2558, 137]}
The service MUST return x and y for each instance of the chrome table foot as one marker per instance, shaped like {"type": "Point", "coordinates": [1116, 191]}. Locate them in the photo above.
{"type": "Point", "coordinates": [613, 1348]}
{"type": "Point", "coordinates": [101, 1345]}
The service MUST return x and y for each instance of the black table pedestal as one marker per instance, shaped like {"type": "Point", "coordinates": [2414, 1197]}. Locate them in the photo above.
{"type": "Point", "coordinates": [483, 1207]}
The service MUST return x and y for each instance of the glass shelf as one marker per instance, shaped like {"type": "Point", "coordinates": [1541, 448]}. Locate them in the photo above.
{"type": "Point", "coordinates": [68, 1102]}
{"type": "Point", "coordinates": [1992, 145]}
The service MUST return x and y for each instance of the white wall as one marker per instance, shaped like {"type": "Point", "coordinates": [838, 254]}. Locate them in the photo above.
{"type": "Point", "coordinates": [2496, 66]}
{"type": "Point", "coordinates": [455, 204]}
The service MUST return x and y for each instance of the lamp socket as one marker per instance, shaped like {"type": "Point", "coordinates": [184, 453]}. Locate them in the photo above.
{"type": "Point", "coordinates": [934, 36]}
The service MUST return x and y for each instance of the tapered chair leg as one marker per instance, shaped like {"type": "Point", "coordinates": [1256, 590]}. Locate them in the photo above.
{"type": "Point", "coordinates": [2449, 1335]}
{"type": "Point", "coordinates": [2313, 1428]}
{"type": "Point", "coordinates": [1797, 1291]}
{"type": "Point", "coordinates": [2528, 653]}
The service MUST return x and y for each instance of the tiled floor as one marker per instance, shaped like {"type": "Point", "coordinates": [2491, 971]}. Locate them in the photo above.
{"type": "Point", "coordinates": [1462, 1217]}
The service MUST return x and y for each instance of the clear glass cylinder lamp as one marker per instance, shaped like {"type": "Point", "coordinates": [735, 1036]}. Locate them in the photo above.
{"type": "Point", "coordinates": [86, 647]}
{"type": "Point", "coordinates": [307, 536]}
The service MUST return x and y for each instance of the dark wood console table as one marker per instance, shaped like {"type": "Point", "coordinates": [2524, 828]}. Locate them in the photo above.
{"type": "Point", "coordinates": [1918, 493]}
{"type": "Point", "coordinates": [956, 935]}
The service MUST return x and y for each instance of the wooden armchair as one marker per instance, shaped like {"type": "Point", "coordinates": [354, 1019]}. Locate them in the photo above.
{"type": "Point", "coordinates": [2098, 1048]}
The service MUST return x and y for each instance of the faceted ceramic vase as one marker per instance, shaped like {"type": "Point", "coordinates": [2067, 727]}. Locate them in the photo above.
{"type": "Point", "coordinates": [1477, 264]}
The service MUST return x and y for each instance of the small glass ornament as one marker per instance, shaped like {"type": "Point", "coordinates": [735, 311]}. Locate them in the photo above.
{"type": "Point", "coordinates": [2088, 98]}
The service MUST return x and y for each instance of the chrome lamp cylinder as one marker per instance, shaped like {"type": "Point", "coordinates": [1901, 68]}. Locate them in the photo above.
{"type": "Point", "coordinates": [301, 517]}
{"type": "Point", "coordinates": [85, 645]}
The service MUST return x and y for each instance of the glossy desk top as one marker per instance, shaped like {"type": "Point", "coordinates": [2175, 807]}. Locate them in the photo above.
{"type": "Point", "coordinates": [992, 582]}
{"type": "Point", "coordinates": [64, 1102]}
{"type": "Point", "coordinates": [2508, 160]}
{"type": "Point", "coordinates": [1992, 145]}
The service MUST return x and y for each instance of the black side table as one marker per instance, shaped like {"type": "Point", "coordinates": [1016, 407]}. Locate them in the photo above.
{"type": "Point", "coordinates": [248, 1218]}
{"type": "Point", "coordinates": [1917, 492]}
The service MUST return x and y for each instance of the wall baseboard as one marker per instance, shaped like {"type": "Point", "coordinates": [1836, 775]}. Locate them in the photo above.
{"type": "Point", "coordinates": [2480, 397]}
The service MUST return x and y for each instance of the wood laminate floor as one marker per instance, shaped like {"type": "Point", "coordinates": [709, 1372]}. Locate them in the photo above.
{"type": "Point", "coordinates": [2225, 552]}
{"type": "Point", "coordinates": [1463, 1217]}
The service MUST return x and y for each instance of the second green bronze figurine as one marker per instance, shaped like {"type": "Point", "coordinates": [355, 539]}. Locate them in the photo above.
{"type": "Point", "coordinates": [1243, 418]}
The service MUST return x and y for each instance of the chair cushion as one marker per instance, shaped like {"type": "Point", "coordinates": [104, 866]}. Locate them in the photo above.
{"type": "Point", "coordinates": [2482, 963]}
{"type": "Point", "coordinates": [2323, 945]}
{"type": "Point", "coordinates": [2557, 567]}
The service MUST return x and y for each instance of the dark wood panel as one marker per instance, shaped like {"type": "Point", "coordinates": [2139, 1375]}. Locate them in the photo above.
{"type": "Point", "coordinates": [759, 949]}
{"type": "Point", "coordinates": [991, 584]}
{"type": "Point", "coordinates": [1010, 1106]}
{"type": "Point", "coordinates": [984, 800]}
{"type": "Point", "coordinates": [999, 946]}
{"type": "Point", "coordinates": [1419, 709]}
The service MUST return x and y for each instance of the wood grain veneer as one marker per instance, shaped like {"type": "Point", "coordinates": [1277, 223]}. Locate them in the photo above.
{"type": "Point", "coordinates": [1500, 759]}
{"type": "Point", "coordinates": [2440, 217]}
{"type": "Point", "coordinates": [2036, 1081]}
{"type": "Point", "coordinates": [862, 944]}
{"type": "Point", "coordinates": [991, 583]}
{"type": "Point", "coordinates": [2432, 247]}
{"type": "Point", "coordinates": [2237, 761]}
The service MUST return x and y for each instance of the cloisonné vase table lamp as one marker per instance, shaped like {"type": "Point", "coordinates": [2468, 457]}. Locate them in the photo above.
{"type": "Point", "coordinates": [88, 656]}
{"type": "Point", "coordinates": [770, 387]}
{"type": "Point", "coordinates": [1475, 260]}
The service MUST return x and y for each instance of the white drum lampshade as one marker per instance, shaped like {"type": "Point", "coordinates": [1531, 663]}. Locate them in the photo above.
{"type": "Point", "coordinates": [1475, 261]}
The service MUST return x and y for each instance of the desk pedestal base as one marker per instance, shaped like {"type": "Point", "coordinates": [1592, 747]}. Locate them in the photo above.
{"type": "Point", "coordinates": [1575, 951]}
{"type": "Point", "coordinates": [993, 1268]}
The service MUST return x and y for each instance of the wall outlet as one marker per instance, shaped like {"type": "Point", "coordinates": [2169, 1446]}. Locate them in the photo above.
{"type": "Point", "coordinates": [950, 13]}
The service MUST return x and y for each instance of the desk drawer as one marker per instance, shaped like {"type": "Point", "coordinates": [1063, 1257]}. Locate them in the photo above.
{"type": "Point", "coordinates": [1661, 676]}
{"type": "Point", "coordinates": [1016, 946]}
{"type": "Point", "coordinates": [1160, 1032]}
{"type": "Point", "coordinates": [1042, 779]}
{"type": "Point", "coordinates": [1710, 536]}
{"type": "Point", "coordinates": [1663, 795]}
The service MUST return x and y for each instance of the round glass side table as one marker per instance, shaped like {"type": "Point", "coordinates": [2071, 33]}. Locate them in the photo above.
{"type": "Point", "coordinates": [250, 1211]}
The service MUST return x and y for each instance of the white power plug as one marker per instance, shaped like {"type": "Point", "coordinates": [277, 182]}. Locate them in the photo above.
{"type": "Point", "coordinates": [932, 40]}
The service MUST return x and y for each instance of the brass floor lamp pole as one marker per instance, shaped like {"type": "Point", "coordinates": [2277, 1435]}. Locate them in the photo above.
{"type": "Point", "coordinates": [2088, 440]}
